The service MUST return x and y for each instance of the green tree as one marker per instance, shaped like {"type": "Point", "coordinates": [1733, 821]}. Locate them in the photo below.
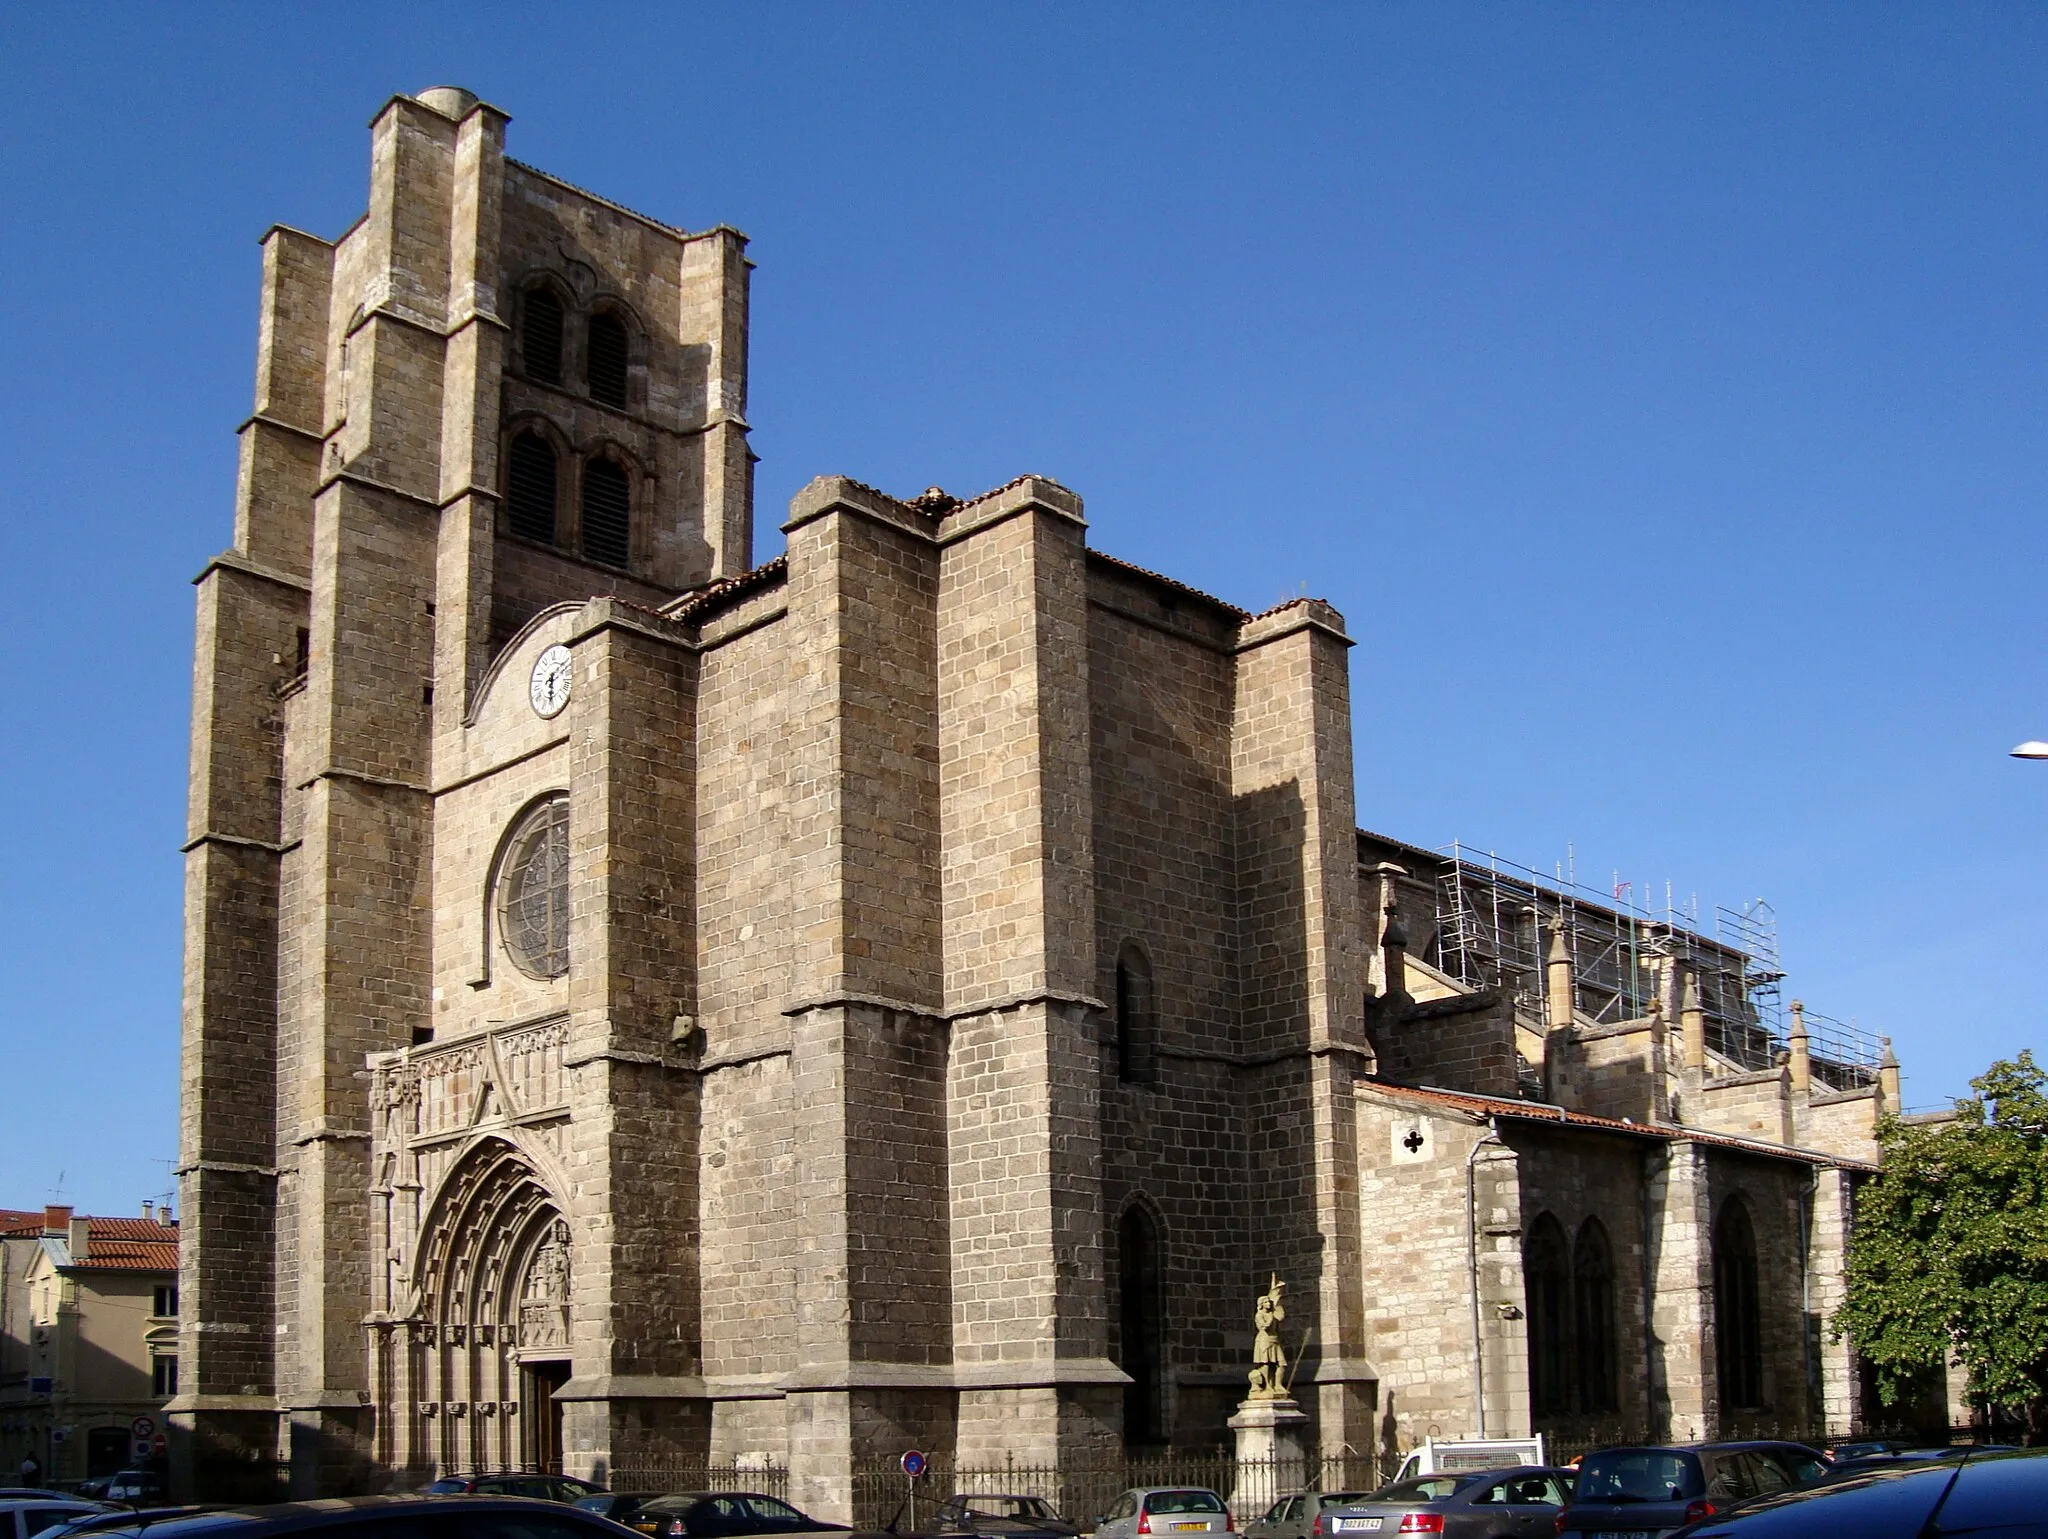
{"type": "Point", "coordinates": [1949, 1255]}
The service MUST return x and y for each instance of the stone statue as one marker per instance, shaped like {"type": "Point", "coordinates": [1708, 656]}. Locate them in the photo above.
{"type": "Point", "coordinates": [1269, 1357]}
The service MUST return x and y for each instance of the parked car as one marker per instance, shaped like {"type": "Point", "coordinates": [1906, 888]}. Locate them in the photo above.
{"type": "Point", "coordinates": [361, 1517]}
{"type": "Point", "coordinates": [726, 1515]}
{"type": "Point", "coordinates": [622, 1507]}
{"type": "Point", "coordinates": [1518, 1503]}
{"type": "Point", "coordinates": [976, 1515]}
{"type": "Point", "coordinates": [1905, 1455]}
{"type": "Point", "coordinates": [1650, 1490]}
{"type": "Point", "coordinates": [22, 1517]}
{"type": "Point", "coordinates": [546, 1488]}
{"type": "Point", "coordinates": [2000, 1495]}
{"type": "Point", "coordinates": [1295, 1515]}
{"type": "Point", "coordinates": [135, 1487]}
{"type": "Point", "coordinates": [121, 1517]}
{"type": "Point", "coordinates": [1164, 1510]}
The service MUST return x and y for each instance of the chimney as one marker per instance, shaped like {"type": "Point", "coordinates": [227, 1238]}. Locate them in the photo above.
{"type": "Point", "coordinates": [148, 1210]}
{"type": "Point", "coordinates": [1559, 983]}
{"type": "Point", "coordinates": [56, 1220]}
{"type": "Point", "coordinates": [1692, 1023]}
{"type": "Point", "coordinates": [1802, 1050]}
{"type": "Point", "coordinates": [1888, 1078]}
{"type": "Point", "coordinates": [81, 1239]}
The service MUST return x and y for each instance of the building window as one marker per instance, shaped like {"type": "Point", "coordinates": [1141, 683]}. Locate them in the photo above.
{"type": "Point", "coordinates": [166, 1304]}
{"type": "Point", "coordinates": [163, 1376]}
{"type": "Point", "coordinates": [530, 488]}
{"type": "Point", "coordinates": [1738, 1330]}
{"type": "Point", "coordinates": [1546, 1281]}
{"type": "Point", "coordinates": [607, 513]}
{"type": "Point", "coordinates": [533, 891]}
{"type": "Point", "coordinates": [1137, 1042]}
{"type": "Point", "coordinates": [1593, 1307]}
{"type": "Point", "coordinates": [1141, 1322]}
{"type": "Point", "coordinates": [540, 335]}
{"type": "Point", "coordinates": [606, 359]}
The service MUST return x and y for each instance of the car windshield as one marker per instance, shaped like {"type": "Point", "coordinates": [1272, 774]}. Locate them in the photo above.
{"type": "Point", "coordinates": [1339, 1498]}
{"type": "Point", "coordinates": [1430, 1488]}
{"type": "Point", "coordinates": [447, 1488]}
{"type": "Point", "coordinates": [1183, 1501]}
{"type": "Point", "coordinates": [1009, 1506]}
{"type": "Point", "coordinates": [1638, 1475]}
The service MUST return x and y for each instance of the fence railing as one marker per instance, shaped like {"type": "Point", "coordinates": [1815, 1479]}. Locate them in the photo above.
{"type": "Point", "coordinates": [1082, 1490]}
{"type": "Point", "coordinates": [630, 1473]}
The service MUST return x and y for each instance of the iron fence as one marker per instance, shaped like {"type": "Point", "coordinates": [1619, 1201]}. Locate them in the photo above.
{"type": "Point", "coordinates": [1082, 1490]}
{"type": "Point", "coordinates": [649, 1473]}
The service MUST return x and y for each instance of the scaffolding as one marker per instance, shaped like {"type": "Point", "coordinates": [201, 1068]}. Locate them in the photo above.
{"type": "Point", "coordinates": [1492, 916]}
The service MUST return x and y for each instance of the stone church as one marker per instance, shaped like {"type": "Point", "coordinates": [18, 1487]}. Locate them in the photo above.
{"type": "Point", "coordinates": [915, 991]}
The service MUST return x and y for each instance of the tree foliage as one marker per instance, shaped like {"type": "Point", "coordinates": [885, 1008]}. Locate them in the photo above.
{"type": "Point", "coordinates": [1949, 1254]}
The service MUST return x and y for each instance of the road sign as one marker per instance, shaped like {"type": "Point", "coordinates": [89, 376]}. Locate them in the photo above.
{"type": "Point", "coordinates": [142, 1427]}
{"type": "Point", "coordinates": [159, 1444]}
{"type": "Point", "coordinates": [914, 1464]}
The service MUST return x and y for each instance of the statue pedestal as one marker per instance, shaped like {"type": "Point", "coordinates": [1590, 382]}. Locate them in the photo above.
{"type": "Point", "coordinates": [1272, 1454]}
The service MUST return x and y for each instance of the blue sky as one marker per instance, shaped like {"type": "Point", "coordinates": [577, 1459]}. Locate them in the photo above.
{"type": "Point", "coordinates": [1657, 389]}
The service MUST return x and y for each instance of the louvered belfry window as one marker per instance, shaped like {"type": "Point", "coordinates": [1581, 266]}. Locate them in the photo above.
{"type": "Point", "coordinates": [540, 336]}
{"type": "Point", "coordinates": [607, 359]}
{"type": "Point", "coordinates": [607, 513]}
{"type": "Point", "coordinates": [530, 488]}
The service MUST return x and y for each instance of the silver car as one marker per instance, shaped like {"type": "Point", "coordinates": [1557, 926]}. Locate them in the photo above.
{"type": "Point", "coordinates": [1520, 1503]}
{"type": "Point", "coordinates": [1164, 1510]}
{"type": "Point", "coordinates": [1294, 1516]}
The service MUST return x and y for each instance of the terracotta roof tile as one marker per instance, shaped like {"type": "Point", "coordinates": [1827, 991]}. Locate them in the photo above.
{"type": "Point", "coordinates": [1537, 1111]}
{"type": "Point", "coordinates": [14, 1221]}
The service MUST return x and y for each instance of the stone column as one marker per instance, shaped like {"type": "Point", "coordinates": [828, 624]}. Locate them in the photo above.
{"type": "Point", "coordinates": [1272, 1454]}
{"type": "Point", "coordinates": [1683, 1378]}
{"type": "Point", "coordinates": [634, 1132]}
{"type": "Point", "coordinates": [868, 1061]}
{"type": "Point", "coordinates": [1302, 960]}
{"type": "Point", "coordinates": [1016, 820]}
{"type": "Point", "coordinates": [253, 615]}
{"type": "Point", "coordinates": [1828, 1220]}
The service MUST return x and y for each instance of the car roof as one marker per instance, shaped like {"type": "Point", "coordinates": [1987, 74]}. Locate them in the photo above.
{"type": "Point", "coordinates": [308, 1514]}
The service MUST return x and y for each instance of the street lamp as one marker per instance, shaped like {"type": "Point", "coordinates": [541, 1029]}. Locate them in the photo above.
{"type": "Point", "coordinates": [2033, 748]}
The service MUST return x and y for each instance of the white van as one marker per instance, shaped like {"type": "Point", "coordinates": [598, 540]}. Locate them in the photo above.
{"type": "Point", "coordinates": [1459, 1456]}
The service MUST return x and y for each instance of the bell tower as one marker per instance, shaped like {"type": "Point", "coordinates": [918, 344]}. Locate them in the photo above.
{"type": "Point", "coordinates": [493, 393]}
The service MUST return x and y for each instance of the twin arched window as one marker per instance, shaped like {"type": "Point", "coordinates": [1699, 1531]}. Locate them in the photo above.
{"type": "Point", "coordinates": [533, 491]}
{"type": "Point", "coordinates": [1738, 1326]}
{"type": "Point", "coordinates": [543, 332]}
{"type": "Point", "coordinates": [1569, 1287]}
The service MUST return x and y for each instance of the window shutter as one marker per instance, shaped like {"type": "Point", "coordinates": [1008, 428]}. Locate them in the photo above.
{"type": "Point", "coordinates": [608, 360]}
{"type": "Point", "coordinates": [607, 513]}
{"type": "Point", "coordinates": [540, 339]}
{"type": "Point", "coordinates": [530, 489]}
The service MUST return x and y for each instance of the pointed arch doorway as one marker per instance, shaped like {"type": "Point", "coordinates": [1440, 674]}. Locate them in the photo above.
{"type": "Point", "coordinates": [492, 1344]}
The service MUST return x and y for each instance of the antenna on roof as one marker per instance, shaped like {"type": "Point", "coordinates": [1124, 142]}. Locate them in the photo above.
{"type": "Point", "coordinates": [58, 1191]}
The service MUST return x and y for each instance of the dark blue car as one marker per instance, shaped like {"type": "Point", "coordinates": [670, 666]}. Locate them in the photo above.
{"type": "Point", "coordinates": [1985, 1495]}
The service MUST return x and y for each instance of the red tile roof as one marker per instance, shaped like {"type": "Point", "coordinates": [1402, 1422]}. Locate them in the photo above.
{"type": "Point", "coordinates": [130, 1245]}
{"type": "Point", "coordinates": [14, 1221]}
{"type": "Point", "coordinates": [1539, 1111]}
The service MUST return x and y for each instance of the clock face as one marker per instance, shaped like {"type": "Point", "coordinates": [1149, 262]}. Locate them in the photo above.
{"type": "Point", "coordinates": [549, 689]}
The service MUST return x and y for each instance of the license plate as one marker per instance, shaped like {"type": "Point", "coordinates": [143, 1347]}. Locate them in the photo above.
{"type": "Point", "coordinates": [1357, 1525]}
{"type": "Point", "coordinates": [1635, 1533]}
{"type": "Point", "coordinates": [1192, 1528]}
